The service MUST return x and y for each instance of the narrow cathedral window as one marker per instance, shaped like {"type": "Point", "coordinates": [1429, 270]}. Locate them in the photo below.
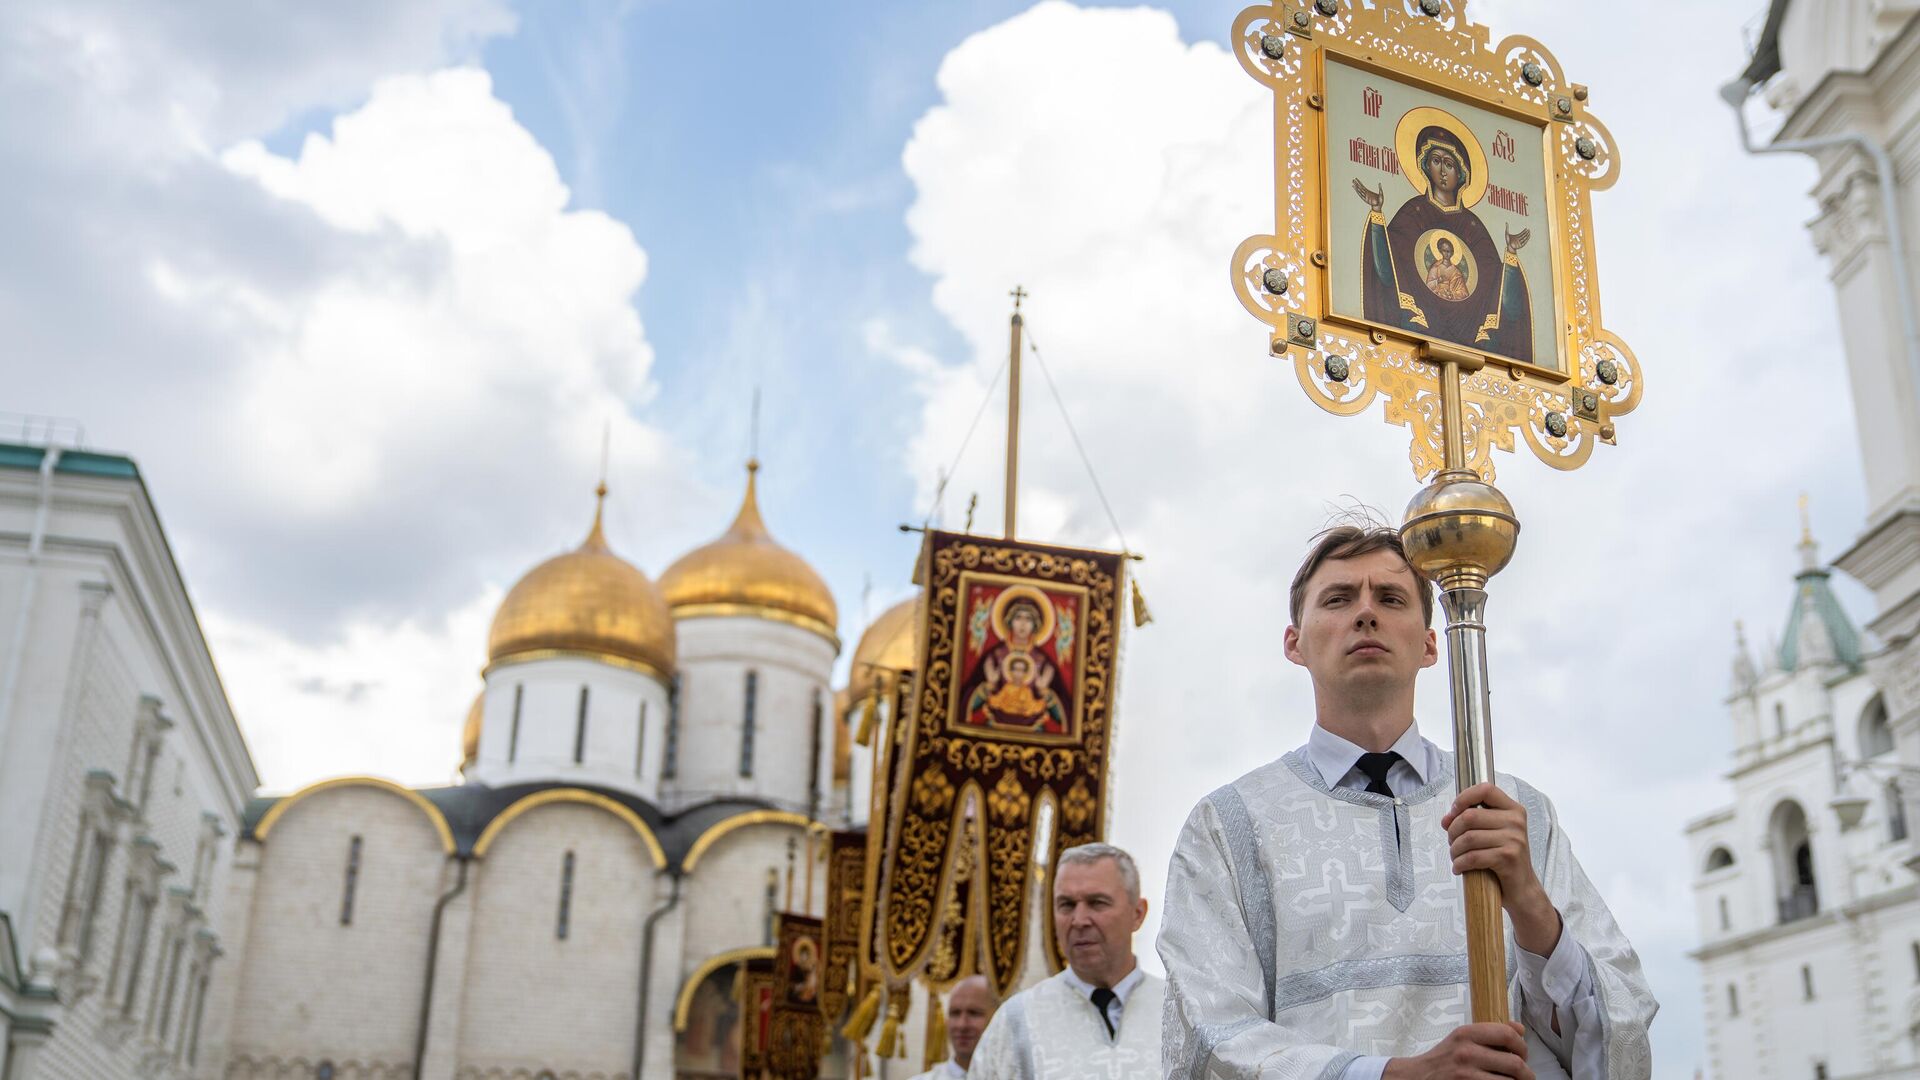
{"type": "Point", "coordinates": [1819, 1070]}
{"type": "Point", "coordinates": [513, 731]}
{"type": "Point", "coordinates": [1916, 961]}
{"type": "Point", "coordinates": [566, 896]}
{"type": "Point", "coordinates": [199, 1013]}
{"type": "Point", "coordinates": [580, 730]}
{"type": "Point", "coordinates": [813, 761]}
{"type": "Point", "coordinates": [142, 928]}
{"type": "Point", "coordinates": [1780, 720]}
{"type": "Point", "coordinates": [353, 880]}
{"type": "Point", "coordinates": [1806, 982]}
{"type": "Point", "coordinates": [1896, 813]}
{"type": "Point", "coordinates": [146, 776]}
{"type": "Point", "coordinates": [670, 753]}
{"type": "Point", "coordinates": [1733, 1001]}
{"type": "Point", "coordinates": [1725, 922]}
{"type": "Point", "coordinates": [746, 724]}
{"type": "Point", "coordinates": [640, 739]}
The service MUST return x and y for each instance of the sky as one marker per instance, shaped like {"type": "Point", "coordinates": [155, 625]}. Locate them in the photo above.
{"type": "Point", "coordinates": [361, 286]}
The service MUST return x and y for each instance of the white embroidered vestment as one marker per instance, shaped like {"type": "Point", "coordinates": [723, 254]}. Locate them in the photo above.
{"type": "Point", "coordinates": [1305, 927]}
{"type": "Point", "coordinates": [1049, 1031]}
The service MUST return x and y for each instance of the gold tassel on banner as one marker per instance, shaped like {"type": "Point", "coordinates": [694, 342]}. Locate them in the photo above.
{"type": "Point", "coordinates": [869, 716]}
{"type": "Point", "coordinates": [1141, 616]}
{"type": "Point", "coordinates": [936, 1050]}
{"type": "Point", "coordinates": [899, 998]}
{"type": "Point", "coordinates": [860, 1024]}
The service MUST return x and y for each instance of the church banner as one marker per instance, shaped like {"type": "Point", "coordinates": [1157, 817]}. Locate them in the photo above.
{"type": "Point", "coordinates": [846, 895]}
{"type": "Point", "coordinates": [1012, 711]}
{"type": "Point", "coordinates": [756, 991]}
{"type": "Point", "coordinates": [796, 1028]}
{"type": "Point", "coordinates": [889, 773]}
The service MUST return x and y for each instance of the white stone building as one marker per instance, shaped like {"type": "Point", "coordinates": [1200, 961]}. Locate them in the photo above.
{"type": "Point", "coordinates": [1807, 898]}
{"type": "Point", "coordinates": [123, 781]}
{"type": "Point", "coordinates": [640, 768]}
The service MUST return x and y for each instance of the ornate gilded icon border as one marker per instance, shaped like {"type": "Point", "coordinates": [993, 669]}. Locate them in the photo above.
{"type": "Point", "coordinates": [944, 771]}
{"type": "Point", "coordinates": [1283, 277]}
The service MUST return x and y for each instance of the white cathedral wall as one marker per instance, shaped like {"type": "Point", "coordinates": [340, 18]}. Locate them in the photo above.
{"type": "Point", "coordinates": [312, 988]}
{"type": "Point", "coordinates": [532, 999]}
{"type": "Point", "coordinates": [622, 749]}
{"type": "Point", "coordinates": [110, 638]}
{"type": "Point", "coordinates": [726, 895]}
{"type": "Point", "coordinates": [792, 668]}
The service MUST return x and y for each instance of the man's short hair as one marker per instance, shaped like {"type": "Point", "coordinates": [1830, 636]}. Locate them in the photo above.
{"type": "Point", "coordinates": [1093, 853]}
{"type": "Point", "coordinates": [1351, 542]}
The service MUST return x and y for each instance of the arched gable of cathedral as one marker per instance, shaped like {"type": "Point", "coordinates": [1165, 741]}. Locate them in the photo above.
{"type": "Point", "coordinates": [576, 796]}
{"type": "Point", "coordinates": [712, 835]}
{"type": "Point", "coordinates": [279, 808]}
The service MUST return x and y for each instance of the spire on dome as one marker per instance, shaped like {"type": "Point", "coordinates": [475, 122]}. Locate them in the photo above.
{"type": "Point", "coordinates": [1818, 630]}
{"type": "Point", "coordinates": [1809, 552]}
{"type": "Point", "coordinates": [1745, 678]}
{"type": "Point", "coordinates": [747, 524]}
{"type": "Point", "coordinates": [596, 537]}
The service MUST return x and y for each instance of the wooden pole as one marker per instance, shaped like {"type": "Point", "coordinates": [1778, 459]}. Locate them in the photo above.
{"type": "Point", "coordinates": [1013, 413]}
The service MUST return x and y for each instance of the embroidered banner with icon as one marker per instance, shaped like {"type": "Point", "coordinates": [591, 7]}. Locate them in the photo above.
{"type": "Point", "coordinates": [846, 901]}
{"type": "Point", "coordinates": [1012, 710]}
{"type": "Point", "coordinates": [797, 1028]}
{"type": "Point", "coordinates": [756, 991]}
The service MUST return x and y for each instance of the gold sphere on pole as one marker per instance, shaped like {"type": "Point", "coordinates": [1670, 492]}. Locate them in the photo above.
{"type": "Point", "coordinates": [1459, 531]}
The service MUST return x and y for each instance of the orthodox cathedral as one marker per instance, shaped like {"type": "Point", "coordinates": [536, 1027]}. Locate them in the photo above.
{"type": "Point", "coordinates": [646, 775]}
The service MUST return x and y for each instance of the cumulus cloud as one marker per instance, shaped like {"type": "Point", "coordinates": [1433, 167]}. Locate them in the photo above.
{"type": "Point", "coordinates": [366, 378]}
{"type": "Point", "coordinates": [1112, 168]}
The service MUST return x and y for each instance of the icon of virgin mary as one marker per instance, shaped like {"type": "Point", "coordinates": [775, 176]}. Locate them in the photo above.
{"type": "Point", "coordinates": [1017, 684]}
{"type": "Point", "coordinates": [1434, 270]}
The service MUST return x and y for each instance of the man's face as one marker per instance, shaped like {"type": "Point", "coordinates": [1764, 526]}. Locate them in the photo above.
{"type": "Point", "coordinates": [1094, 920]}
{"type": "Point", "coordinates": [1361, 628]}
{"type": "Point", "coordinates": [1443, 171]}
{"type": "Point", "coordinates": [969, 1008]}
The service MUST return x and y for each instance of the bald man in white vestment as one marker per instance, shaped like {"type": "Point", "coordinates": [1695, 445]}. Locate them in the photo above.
{"type": "Point", "coordinates": [1100, 1018]}
{"type": "Point", "coordinates": [1313, 928]}
{"type": "Point", "coordinates": [969, 1007]}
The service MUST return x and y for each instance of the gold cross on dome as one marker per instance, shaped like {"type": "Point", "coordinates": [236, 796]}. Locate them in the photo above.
{"type": "Point", "coordinates": [1018, 295]}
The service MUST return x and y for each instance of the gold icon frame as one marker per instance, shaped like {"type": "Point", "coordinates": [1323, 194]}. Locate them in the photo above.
{"type": "Point", "coordinates": [1430, 45]}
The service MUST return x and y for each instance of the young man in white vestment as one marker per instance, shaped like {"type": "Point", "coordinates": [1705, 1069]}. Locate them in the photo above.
{"type": "Point", "coordinates": [969, 1007]}
{"type": "Point", "coordinates": [1313, 927]}
{"type": "Point", "coordinates": [1100, 1018]}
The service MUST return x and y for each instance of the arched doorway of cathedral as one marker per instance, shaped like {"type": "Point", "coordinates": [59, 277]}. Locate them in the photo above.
{"type": "Point", "coordinates": [707, 1026]}
{"type": "Point", "coordinates": [1795, 889]}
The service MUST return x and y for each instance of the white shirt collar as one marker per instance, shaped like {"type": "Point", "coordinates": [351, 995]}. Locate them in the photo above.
{"type": "Point", "coordinates": [1334, 757]}
{"type": "Point", "coordinates": [1120, 989]}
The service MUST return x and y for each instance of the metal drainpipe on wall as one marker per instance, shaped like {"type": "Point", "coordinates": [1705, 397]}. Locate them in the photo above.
{"type": "Point", "coordinates": [433, 958]}
{"type": "Point", "coordinates": [17, 647]}
{"type": "Point", "coordinates": [1736, 93]}
{"type": "Point", "coordinates": [646, 973]}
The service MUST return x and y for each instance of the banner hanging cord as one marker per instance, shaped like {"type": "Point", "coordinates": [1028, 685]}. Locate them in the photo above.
{"type": "Point", "coordinates": [1034, 346]}
{"type": "Point", "coordinates": [985, 400]}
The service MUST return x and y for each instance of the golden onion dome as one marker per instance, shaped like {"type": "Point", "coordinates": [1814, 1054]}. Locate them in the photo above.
{"type": "Point", "coordinates": [470, 734]}
{"type": "Point", "coordinates": [890, 644]}
{"type": "Point", "coordinates": [745, 572]}
{"type": "Point", "coordinates": [588, 602]}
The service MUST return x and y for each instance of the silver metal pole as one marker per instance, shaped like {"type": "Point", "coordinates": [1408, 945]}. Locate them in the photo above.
{"type": "Point", "coordinates": [1467, 675]}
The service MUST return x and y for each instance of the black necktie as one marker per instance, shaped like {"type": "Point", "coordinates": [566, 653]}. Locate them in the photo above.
{"type": "Point", "coordinates": [1103, 997]}
{"type": "Point", "coordinates": [1376, 766]}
